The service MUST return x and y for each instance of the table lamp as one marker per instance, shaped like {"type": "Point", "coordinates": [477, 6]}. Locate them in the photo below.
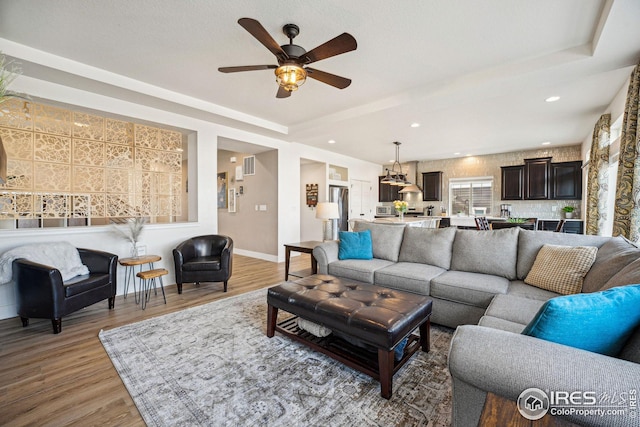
{"type": "Point", "coordinates": [327, 211]}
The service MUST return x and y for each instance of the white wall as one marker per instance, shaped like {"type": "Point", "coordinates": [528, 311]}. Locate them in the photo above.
{"type": "Point", "coordinates": [616, 109]}
{"type": "Point", "coordinates": [162, 238]}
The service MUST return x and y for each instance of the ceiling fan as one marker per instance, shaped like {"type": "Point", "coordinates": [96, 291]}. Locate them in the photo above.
{"type": "Point", "coordinates": [292, 59]}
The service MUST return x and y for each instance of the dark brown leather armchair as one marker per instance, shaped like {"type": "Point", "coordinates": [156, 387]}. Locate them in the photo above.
{"type": "Point", "coordinates": [43, 294]}
{"type": "Point", "coordinates": [203, 259]}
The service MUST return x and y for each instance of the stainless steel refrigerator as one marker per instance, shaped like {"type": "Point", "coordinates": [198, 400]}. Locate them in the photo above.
{"type": "Point", "coordinates": [339, 195]}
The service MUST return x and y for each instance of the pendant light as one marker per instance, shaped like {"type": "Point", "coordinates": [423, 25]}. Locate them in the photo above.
{"type": "Point", "coordinates": [394, 177]}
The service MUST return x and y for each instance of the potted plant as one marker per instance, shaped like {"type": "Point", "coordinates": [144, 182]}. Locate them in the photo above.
{"type": "Point", "coordinates": [568, 211]}
{"type": "Point", "coordinates": [131, 233]}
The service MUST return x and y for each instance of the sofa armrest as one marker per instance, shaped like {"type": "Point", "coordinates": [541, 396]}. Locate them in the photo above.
{"type": "Point", "coordinates": [38, 285]}
{"type": "Point", "coordinates": [99, 261]}
{"type": "Point", "coordinates": [325, 254]}
{"type": "Point", "coordinates": [485, 360]}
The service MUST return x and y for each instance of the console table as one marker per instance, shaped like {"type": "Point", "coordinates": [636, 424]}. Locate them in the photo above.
{"type": "Point", "coordinates": [302, 247]}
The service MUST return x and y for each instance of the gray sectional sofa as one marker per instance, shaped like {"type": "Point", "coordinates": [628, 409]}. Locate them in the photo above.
{"type": "Point", "coordinates": [476, 281]}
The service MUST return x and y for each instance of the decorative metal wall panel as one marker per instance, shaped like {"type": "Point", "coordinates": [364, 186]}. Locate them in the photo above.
{"type": "Point", "coordinates": [25, 206]}
{"type": "Point", "coordinates": [19, 174]}
{"type": "Point", "coordinates": [158, 161]}
{"type": "Point", "coordinates": [51, 177]}
{"type": "Point", "coordinates": [118, 131]}
{"type": "Point", "coordinates": [17, 143]}
{"type": "Point", "coordinates": [147, 137]}
{"type": "Point", "coordinates": [16, 205]}
{"type": "Point", "coordinates": [119, 156]}
{"type": "Point", "coordinates": [144, 205]}
{"type": "Point", "coordinates": [176, 185]}
{"type": "Point", "coordinates": [52, 205]}
{"type": "Point", "coordinates": [15, 113]}
{"type": "Point", "coordinates": [143, 182]}
{"type": "Point", "coordinates": [88, 126]}
{"type": "Point", "coordinates": [169, 140]}
{"type": "Point", "coordinates": [97, 205]}
{"type": "Point", "coordinates": [163, 205]}
{"type": "Point", "coordinates": [80, 206]}
{"type": "Point", "coordinates": [51, 148]}
{"type": "Point", "coordinates": [77, 165]}
{"type": "Point", "coordinates": [119, 181]}
{"type": "Point", "coordinates": [90, 153]}
{"type": "Point", "coordinates": [92, 179]}
{"type": "Point", "coordinates": [163, 183]}
{"type": "Point", "coordinates": [52, 120]}
{"type": "Point", "coordinates": [120, 205]}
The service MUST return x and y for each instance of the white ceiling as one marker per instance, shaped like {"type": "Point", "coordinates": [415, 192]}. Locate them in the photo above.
{"type": "Point", "coordinates": [474, 74]}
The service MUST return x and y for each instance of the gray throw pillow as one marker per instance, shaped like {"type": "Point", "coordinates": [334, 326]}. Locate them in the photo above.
{"type": "Point", "coordinates": [428, 246]}
{"type": "Point", "coordinates": [386, 239]}
{"type": "Point", "coordinates": [629, 275]}
{"type": "Point", "coordinates": [487, 252]}
{"type": "Point", "coordinates": [612, 257]}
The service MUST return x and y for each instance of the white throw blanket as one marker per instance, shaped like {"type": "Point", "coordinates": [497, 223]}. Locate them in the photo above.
{"type": "Point", "coordinates": [61, 255]}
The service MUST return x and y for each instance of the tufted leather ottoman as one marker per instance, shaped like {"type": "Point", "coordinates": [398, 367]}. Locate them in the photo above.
{"type": "Point", "coordinates": [366, 315]}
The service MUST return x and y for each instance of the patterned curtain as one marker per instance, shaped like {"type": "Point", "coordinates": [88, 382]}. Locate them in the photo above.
{"type": "Point", "coordinates": [598, 179]}
{"type": "Point", "coordinates": [626, 218]}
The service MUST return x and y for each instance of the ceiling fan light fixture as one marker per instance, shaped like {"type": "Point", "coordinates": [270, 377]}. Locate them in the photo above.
{"type": "Point", "coordinates": [290, 76]}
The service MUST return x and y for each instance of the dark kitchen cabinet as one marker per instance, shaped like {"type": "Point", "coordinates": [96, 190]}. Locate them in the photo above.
{"type": "Point", "coordinates": [571, 227]}
{"type": "Point", "coordinates": [432, 186]}
{"type": "Point", "coordinates": [536, 178]}
{"type": "Point", "coordinates": [566, 180]}
{"type": "Point", "coordinates": [512, 182]}
{"type": "Point", "coordinates": [388, 192]}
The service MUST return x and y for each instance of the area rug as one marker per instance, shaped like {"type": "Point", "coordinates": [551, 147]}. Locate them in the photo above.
{"type": "Point", "coordinates": [213, 365]}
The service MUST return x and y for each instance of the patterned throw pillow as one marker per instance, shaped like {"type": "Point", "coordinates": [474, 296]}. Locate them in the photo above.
{"type": "Point", "coordinates": [561, 269]}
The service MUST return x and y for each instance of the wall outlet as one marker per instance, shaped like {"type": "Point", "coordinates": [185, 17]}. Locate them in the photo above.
{"type": "Point", "coordinates": [263, 207]}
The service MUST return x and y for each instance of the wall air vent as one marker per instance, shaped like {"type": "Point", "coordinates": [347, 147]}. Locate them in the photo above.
{"type": "Point", "coordinates": [249, 165]}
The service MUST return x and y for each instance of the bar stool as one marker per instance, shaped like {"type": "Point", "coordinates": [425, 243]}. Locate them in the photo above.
{"type": "Point", "coordinates": [148, 278]}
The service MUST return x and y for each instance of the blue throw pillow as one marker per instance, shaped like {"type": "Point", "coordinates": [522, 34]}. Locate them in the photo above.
{"type": "Point", "coordinates": [601, 322]}
{"type": "Point", "coordinates": [355, 245]}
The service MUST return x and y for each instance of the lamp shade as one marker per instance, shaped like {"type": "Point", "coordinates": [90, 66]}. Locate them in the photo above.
{"type": "Point", "coordinates": [327, 210]}
{"type": "Point", "coordinates": [290, 76]}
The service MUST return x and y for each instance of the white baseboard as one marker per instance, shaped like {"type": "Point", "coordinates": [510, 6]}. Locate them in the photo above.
{"type": "Point", "coordinates": [259, 255]}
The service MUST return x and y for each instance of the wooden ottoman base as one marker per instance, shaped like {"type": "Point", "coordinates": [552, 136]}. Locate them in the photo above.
{"type": "Point", "coordinates": [381, 366]}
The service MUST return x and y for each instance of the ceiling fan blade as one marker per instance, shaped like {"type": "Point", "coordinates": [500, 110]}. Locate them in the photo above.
{"type": "Point", "coordinates": [246, 68]}
{"type": "Point", "coordinates": [336, 46]}
{"type": "Point", "coordinates": [328, 78]}
{"type": "Point", "coordinates": [257, 30]}
{"type": "Point", "coordinates": [282, 93]}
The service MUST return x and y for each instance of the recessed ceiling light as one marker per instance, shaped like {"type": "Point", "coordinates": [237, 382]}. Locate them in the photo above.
{"type": "Point", "coordinates": [332, 141]}
{"type": "Point", "coordinates": [456, 154]}
{"type": "Point", "coordinates": [546, 143]}
{"type": "Point", "coordinates": [552, 99]}
{"type": "Point", "coordinates": [415, 125]}
{"type": "Point", "coordinates": [468, 154]}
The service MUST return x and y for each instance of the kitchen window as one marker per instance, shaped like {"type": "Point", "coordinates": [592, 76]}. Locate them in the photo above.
{"type": "Point", "coordinates": [471, 196]}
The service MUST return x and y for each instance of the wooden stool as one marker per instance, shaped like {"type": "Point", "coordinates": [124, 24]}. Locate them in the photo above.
{"type": "Point", "coordinates": [149, 277]}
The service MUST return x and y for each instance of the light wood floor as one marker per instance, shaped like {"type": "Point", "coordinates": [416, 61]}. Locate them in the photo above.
{"type": "Point", "coordinates": [68, 379]}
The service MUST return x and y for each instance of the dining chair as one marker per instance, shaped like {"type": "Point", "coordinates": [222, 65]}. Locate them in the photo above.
{"type": "Point", "coordinates": [482, 223]}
